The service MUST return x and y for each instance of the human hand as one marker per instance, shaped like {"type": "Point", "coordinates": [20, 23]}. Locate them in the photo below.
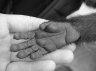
{"type": "Point", "coordinates": [19, 23]}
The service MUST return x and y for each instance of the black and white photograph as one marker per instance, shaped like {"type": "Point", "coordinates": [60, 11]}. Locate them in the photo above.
{"type": "Point", "coordinates": [47, 35]}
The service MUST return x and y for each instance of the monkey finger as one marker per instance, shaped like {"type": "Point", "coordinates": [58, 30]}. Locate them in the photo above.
{"type": "Point", "coordinates": [35, 48]}
{"type": "Point", "coordinates": [24, 53]}
{"type": "Point", "coordinates": [42, 34]}
{"type": "Point", "coordinates": [23, 45]}
{"type": "Point", "coordinates": [43, 25]}
{"type": "Point", "coordinates": [54, 27]}
{"type": "Point", "coordinates": [24, 35]}
{"type": "Point", "coordinates": [49, 27]}
{"type": "Point", "coordinates": [38, 54]}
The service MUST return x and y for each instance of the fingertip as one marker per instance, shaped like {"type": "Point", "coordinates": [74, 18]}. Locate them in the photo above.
{"type": "Point", "coordinates": [50, 27]}
{"type": "Point", "coordinates": [43, 25]}
{"type": "Point", "coordinates": [13, 48]}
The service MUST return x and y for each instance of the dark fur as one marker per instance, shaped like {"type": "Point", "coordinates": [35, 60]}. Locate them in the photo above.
{"type": "Point", "coordinates": [85, 25]}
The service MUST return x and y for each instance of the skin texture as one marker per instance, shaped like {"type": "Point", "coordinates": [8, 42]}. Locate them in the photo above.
{"type": "Point", "coordinates": [54, 35]}
{"type": "Point", "coordinates": [25, 35]}
{"type": "Point", "coordinates": [79, 64]}
{"type": "Point", "coordinates": [6, 64]}
{"type": "Point", "coordinates": [50, 41]}
{"type": "Point", "coordinates": [11, 24]}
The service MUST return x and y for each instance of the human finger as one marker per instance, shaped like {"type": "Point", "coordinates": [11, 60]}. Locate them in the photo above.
{"type": "Point", "coordinates": [60, 56]}
{"type": "Point", "coordinates": [3, 26]}
{"type": "Point", "coordinates": [32, 66]}
{"type": "Point", "coordinates": [22, 23]}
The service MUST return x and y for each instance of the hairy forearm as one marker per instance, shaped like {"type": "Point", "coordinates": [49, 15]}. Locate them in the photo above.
{"type": "Point", "coordinates": [86, 26]}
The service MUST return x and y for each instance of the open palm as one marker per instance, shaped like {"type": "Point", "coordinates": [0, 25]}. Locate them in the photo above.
{"type": "Point", "coordinates": [19, 23]}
